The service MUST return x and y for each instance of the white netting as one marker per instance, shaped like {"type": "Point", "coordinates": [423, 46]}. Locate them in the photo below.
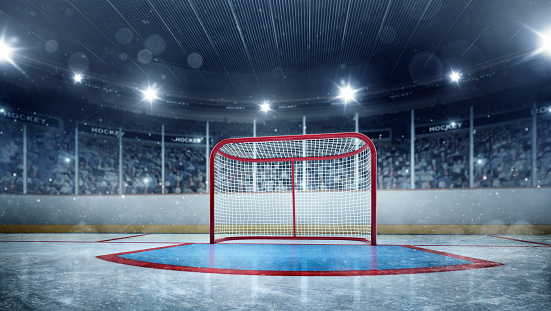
{"type": "Point", "coordinates": [332, 197]}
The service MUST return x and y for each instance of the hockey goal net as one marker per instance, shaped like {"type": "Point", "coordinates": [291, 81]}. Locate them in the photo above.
{"type": "Point", "coordinates": [319, 186]}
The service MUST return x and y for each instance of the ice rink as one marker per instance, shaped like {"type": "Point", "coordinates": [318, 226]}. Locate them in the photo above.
{"type": "Point", "coordinates": [63, 272]}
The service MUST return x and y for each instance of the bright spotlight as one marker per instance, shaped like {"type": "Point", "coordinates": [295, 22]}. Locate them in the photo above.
{"type": "Point", "coordinates": [5, 52]}
{"type": "Point", "coordinates": [455, 76]}
{"type": "Point", "coordinates": [150, 94]}
{"type": "Point", "coordinates": [77, 78]}
{"type": "Point", "coordinates": [546, 44]}
{"type": "Point", "coordinates": [265, 107]}
{"type": "Point", "coordinates": [347, 94]}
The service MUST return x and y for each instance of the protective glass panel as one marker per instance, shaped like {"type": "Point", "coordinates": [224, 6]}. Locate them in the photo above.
{"type": "Point", "coordinates": [503, 155]}
{"type": "Point", "coordinates": [50, 161]}
{"type": "Point", "coordinates": [142, 166]}
{"type": "Point", "coordinates": [544, 149]}
{"type": "Point", "coordinates": [11, 157]}
{"type": "Point", "coordinates": [185, 169]}
{"type": "Point", "coordinates": [98, 164]}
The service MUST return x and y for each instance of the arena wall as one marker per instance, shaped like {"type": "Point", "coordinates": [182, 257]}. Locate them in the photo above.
{"type": "Point", "coordinates": [447, 211]}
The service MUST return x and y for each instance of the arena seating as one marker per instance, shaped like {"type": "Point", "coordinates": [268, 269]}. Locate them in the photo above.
{"type": "Point", "coordinates": [502, 151]}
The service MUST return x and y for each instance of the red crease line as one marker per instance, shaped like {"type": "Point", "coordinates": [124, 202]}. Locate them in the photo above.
{"type": "Point", "coordinates": [127, 237]}
{"type": "Point", "coordinates": [501, 237]}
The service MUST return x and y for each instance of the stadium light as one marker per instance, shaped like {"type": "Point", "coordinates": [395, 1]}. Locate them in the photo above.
{"type": "Point", "coordinates": [150, 94]}
{"type": "Point", "coordinates": [265, 106]}
{"type": "Point", "coordinates": [455, 76]}
{"type": "Point", "coordinates": [347, 94]}
{"type": "Point", "coordinates": [5, 52]}
{"type": "Point", "coordinates": [546, 44]}
{"type": "Point", "coordinates": [77, 78]}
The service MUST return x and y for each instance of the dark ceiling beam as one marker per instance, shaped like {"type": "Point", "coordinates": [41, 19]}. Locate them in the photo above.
{"type": "Point", "coordinates": [66, 31]}
{"type": "Point", "coordinates": [209, 38]}
{"type": "Point", "coordinates": [414, 30]}
{"type": "Point", "coordinates": [278, 49]}
{"type": "Point", "coordinates": [371, 46]}
{"type": "Point", "coordinates": [175, 40]}
{"type": "Point", "coordinates": [243, 42]}
{"type": "Point", "coordinates": [343, 37]}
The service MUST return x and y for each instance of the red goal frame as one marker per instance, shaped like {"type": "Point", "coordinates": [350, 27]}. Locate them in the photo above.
{"type": "Point", "coordinates": [373, 180]}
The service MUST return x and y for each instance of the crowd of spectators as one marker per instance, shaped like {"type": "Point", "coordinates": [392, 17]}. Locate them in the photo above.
{"type": "Point", "coordinates": [141, 168]}
{"type": "Point", "coordinates": [51, 165]}
{"type": "Point", "coordinates": [502, 153]}
{"type": "Point", "coordinates": [502, 158]}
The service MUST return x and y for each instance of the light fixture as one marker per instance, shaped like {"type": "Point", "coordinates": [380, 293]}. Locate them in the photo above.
{"type": "Point", "coordinates": [150, 94]}
{"type": "Point", "coordinates": [545, 45]}
{"type": "Point", "coordinates": [5, 52]}
{"type": "Point", "coordinates": [347, 94]}
{"type": "Point", "coordinates": [455, 76]}
{"type": "Point", "coordinates": [265, 106]}
{"type": "Point", "coordinates": [77, 78]}
{"type": "Point", "coordinates": [544, 41]}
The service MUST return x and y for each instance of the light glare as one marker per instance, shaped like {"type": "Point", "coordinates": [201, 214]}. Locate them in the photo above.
{"type": "Point", "coordinates": [455, 76]}
{"type": "Point", "coordinates": [77, 78]}
{"type": "Point", "coordinates": [265, 107]}
{"type": "Point", "coordinates": [5, 51]}
{"type": "Point", "coordinates": [348, 94]}
{"type": "Point", "coordinates": [150, 94]}
{"type": "Point", "coordinates": [546, 44]}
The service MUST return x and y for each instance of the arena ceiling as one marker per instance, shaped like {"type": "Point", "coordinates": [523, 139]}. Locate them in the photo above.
{"type": "Point", "coordinates": [235, 54]}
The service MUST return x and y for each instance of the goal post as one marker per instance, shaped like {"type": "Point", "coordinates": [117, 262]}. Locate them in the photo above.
{"type": "Point", "coordinates": [317, 186]}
